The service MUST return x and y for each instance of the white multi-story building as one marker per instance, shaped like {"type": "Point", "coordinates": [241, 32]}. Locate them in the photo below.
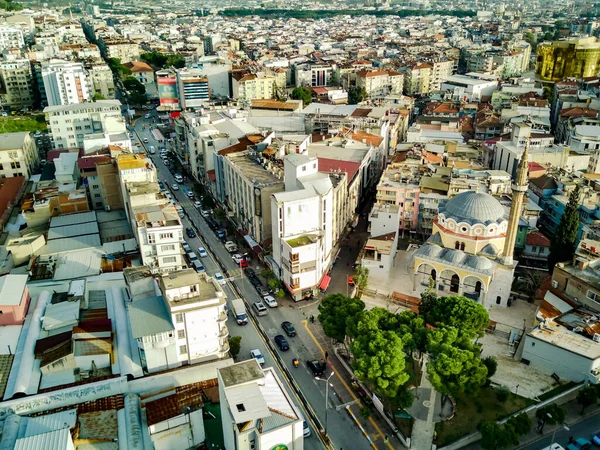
{"type": "Point", "coordinates": [470, 87]}
{"type": "Point", "coordinates": [256, 411]}
{"type": "Point", "coordinates": [197, 307]}
{"type": "Point", "coordinates": [440, 72]}
{"type": "Point", "coordinates": [417, 79]}
{"type": "Point", "coordinates": [313, 74]}
{"type": "Point", "coordinates": [17, 81]}
{"type": "Point", "coordinates": [18, 155]}
{"type": "Point", "coordinates": [250, 86]}
{"type": "Point", "coordinates": [11, 38]}
{"type": "Point", "coordinates": [302, 221]}
{"type": "Point", "coordinates": [65, 82]}
{"type": "Point", "coordinates": [68, 125]}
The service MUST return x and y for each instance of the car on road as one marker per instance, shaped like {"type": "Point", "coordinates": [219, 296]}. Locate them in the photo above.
{"type": "Point", "coordinates": [305, 429]}
{"type": "Point", "coordinates": [260, 309]}
{"type": "Point", "coordinates": [596, 438]}
{"type": "Point", "coordinates": [250, 273]}
{"type": "Point", "coordinates": [218, 276]}
{"type": "Point", "coordinates": [316, 367]}
{"type": "Point", "coordinates": [212, 224]}
{"type": "Point", "coordinates": [206, 213]}
{"type": "Point", "coordinates": [282, 342]}
{"type": "Point", "coordinates": [190, 233]}
{"type": "Point", "coordinates": [198, 204]}
{"type": "Point", "coordinates": [145, 140]}
{"type": "Point", "coordinates": [579, 444]}
{"type": "Point", "coordinates": [175, 186]}
{"type": "Point", "coordinates": [186, 247]}
{"type": "Point", "coordinates": [254, 281]}
{"type": "Point", "coordinates": [270, 301]}
{"type": "Point", "coordinates": [350, 280]}
{"type": "Point", "coordinates": [262, 291]}
{"type": "Point", "coordinates": [146, 116]}
{"type": "Point", "coordinates": [202, 252]}
{"type": "Point", "coordinates": [289, 329]}
{"type": "Point", "coordinates": [221, 234]}
{"type": "Point", "coordinates": [256, 354]}
{"type": "Point", "coordinates": [190, 194]}
{"type": "Point", "coordinates": [198, 266]}
{"type": "Point", "coordinates": [178, 178]}
{"type": "Point", "coordinates": [237, 258]}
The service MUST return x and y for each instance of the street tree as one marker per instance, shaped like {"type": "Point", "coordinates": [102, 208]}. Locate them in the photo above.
{"type": "Point", "coordinates": [492, 365]}
{"type": "Point", "coordinates": [587, 396]}
{"type": "Point", "coordinates": [235, 343]}
{"type": "Point", "coordinates": [334, 312]}
{"type": "Point", "coordinates": [550, 414]}
{"type": "Point", "coordinates": [562, 245]}
{"type": "Point", "coordinates": [379, 360]}
{"type": "Point", "coordinates": [428, 299]}
{"type": "Point", "coordinates": [469, 317]}
{"type": "Point", "coordinates": [356, 95]}
{"type": "Point", "coordinates": [302, 93]}
{"type": "Point", "coordinates": [361, 277]}
{"type": "Point", "coordinates": [453, 370]}
{"type": "Point", "coordinates": [521, 424]}
{"type": "Point", "coordinates": [493, 436]}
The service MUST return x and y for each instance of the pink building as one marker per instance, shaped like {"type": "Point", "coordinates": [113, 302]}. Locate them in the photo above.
{"type": "Point", "coordinates": [399, 185]}
{"type": "Point", "coordinates": [14, 299]}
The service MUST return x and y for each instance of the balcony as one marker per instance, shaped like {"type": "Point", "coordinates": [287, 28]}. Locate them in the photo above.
{"type": "Point", "coordinates": [222, 318]}
{"type": "Point", "coordinates": [224, 332]}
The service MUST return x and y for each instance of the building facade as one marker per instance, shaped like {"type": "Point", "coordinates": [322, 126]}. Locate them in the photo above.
{"type": "Point", "coordinates": [66, 82]}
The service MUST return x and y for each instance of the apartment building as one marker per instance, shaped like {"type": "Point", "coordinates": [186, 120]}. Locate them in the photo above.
{"type": "Point", "coordinates": [399, 186]}
{"type": "Point", "coordinates": [17, 81]}
{"type": "Point", "coordinates": [69, 124]}
{"type": "Point", "coordinates": [65, 82]}
{"type": "Point", "coordinates": [380, 83]}
{"type": "Point", "coordinates": [18, 155]}
{"type": "Point", "coordinates": [102, 78]}
{"type": "Point", "coordinates": [440, 72]}
{"type": "Point", "coordinates": [182, 89]}
{"type": "Point", "coordinates": [196, 305]}
{"type": "Point", "coordinates": [253, 86]}
{"type": "Point", "coordinates": [417, 79]}
{"type": "Point", "coordinates": [302, 218]}
{"type": "Point", "coordinates": [122, 49]}
{"type": "Point", "coordinates": [256, 410]}
{"type": "Point", "coordinates": [11, 38]}
{"type": "Point", "coordinates": [313, 74]}
{"type": "Point", "coordinates": [249, 186]}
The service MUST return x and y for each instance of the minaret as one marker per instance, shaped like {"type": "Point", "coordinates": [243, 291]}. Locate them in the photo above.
{"type": "Point", "coordinates": [519, 188]}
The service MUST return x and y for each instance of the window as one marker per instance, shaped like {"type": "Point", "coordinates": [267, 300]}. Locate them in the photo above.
{"type": "Point", "coordinates": [97, 195]}
{"type": "Point", "coordinates": [167, 248]}
{"type": "Point", "coordinates": [183, 349]}
{"type": "Point", "coordinates": [151, 238]}
{"type": "Point", "coordinates": [179, 318]}
{"type": "Point", "coordinates": [498, 300]}
{"type": "Point", "coordinates": [240, 407]}
{"type": "Point", "coordinates": [180, 334]}
{"type": "Point", "coordinates": [592, 295]}
{"type": "Point", "coordinates": [98, 204]}
{"type": "Point", "coordinates": [15, 165]}
{"type": "Point", "coordinates": [95, 186]}
{"type": "Point", "coordinates": [533, 248]}
{"type": "Point", "coordinates": [170, 259]}
{"type": "Point", "coordinates": [165, 236]}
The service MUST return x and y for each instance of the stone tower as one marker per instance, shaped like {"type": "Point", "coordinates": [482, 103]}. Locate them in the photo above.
{"type": "Point", "coordinates": [519, 188]}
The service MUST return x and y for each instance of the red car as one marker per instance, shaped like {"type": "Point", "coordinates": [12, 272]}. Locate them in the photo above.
{"type": "Point", "coordinates": [350, 280]}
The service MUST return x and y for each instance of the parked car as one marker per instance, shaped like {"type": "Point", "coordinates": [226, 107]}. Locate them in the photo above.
{"type": "Point", "coordinates": [190, 233]}
{"type": "Point", "coordinates": [218, 276]}
{"type": "Point", "coordinates": [190, 194]}
{"type": "Point", "coordinates": [198, 266]}
{"type": "Point", "coordinates": [596, 439]}
{"type": "Point", "coordinates": [288, 328]}
{"type": "Point", "coordinates": [316, 367]}
{"type": "Point", "coordinates": [262, 291]}
{"type": "Point", "coordinates": [579, 444]}
{"type": "Point", "coordinates": [198, 204]}
{"type": "Point", "coordinates": [202, 252]}
{"type": "Point", "coordinates": [205, 213]}
{"type": "Point", "coordinates": [305, 429]}
{"type": "Point", "coordinates": [186, 247]}
{"type": "Point", "coordinates": [256, 354]}
{"type": "Point", "coordinates": [250, 273]}
{"type": "Point", "coordinates": [259, 308]}
{"type": "Point", "coordinates": [175, 187]}
{"type": "Point", "coordinates": [221, 234]}
{"type": "Point", "coordinates": [178, 178]}
{"type": "Point", "coordinates": [270, 301]}
{"type": "Point", "coordinates": [282, 343]}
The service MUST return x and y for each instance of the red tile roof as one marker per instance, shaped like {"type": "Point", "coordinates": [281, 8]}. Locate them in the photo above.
{"type": "Point", "coordinates": [327, 165]}
{"type": "Point", "coordinates": [535, 167]}
{"type": "Point", "coordinates": [89, 162]}
{"type": "Point", "coordinates": [538, 239]}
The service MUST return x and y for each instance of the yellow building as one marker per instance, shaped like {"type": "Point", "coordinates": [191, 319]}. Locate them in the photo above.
{"type": "Point", "coordinates": [570, 58]}
{"type": "Point", "coordinates": [471, 249]}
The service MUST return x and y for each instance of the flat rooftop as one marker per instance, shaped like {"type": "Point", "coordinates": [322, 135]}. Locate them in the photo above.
{"type": "Point", "coordinates": [241, 373]}
{"type": "Point", "coordinates": [253, 170]}
{"type": "Point", "coordinates": [206, 289]}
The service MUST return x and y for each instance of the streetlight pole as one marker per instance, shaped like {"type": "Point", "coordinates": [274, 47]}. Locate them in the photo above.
{"type": "Point", "coordinates": [566, 428]}
{"type": "Point", "coordinates": [326, 395]}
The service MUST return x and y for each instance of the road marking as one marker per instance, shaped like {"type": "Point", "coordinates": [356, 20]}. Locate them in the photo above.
{"type": "Point", "coordinates": [380, 433]}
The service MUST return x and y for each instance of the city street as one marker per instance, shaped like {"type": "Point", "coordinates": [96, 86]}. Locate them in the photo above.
{"type": "Point", "coordinates": [340, 426]}
{"type": "Point", "coordinates": [585, 429]}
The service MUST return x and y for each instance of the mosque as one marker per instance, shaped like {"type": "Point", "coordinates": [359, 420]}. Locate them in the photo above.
{"type": "Point", "coordinates": [471, 249]}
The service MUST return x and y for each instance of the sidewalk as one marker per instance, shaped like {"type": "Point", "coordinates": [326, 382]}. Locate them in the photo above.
{"type": "Point", "coordinates": [375, 427]}
{"type": "Point", "coordinates": [423, 430]}
{"type": "Point", "coordinates": [572, 417]}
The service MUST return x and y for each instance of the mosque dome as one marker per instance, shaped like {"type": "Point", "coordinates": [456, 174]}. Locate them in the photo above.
{"type": "Point", "coordinates": [473, 207]}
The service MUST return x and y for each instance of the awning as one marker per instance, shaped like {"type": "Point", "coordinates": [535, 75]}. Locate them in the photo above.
{"type": "Point", "coordinates": [325, 283]}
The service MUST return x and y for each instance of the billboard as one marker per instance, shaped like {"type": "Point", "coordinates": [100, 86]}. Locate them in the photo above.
{"type": "Point", "coordinates": [167, 90]}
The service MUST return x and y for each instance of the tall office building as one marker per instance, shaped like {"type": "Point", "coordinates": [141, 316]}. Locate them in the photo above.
{"type": "Point", "coordinates": [571, 58]}
{"type": "Point", "coordinates": [65, 82]}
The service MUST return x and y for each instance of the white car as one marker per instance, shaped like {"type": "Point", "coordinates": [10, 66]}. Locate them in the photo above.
{"type": "Point", "coordinates": [175, 187]}
{"type": "Point", "coordinates": [270, 301]}
{"type": "Point", "coordinates": [198, 204]}
{"type": "Point", "coordinates": [205, 212]}
{"type": "Point", "coordinates": [202, 252]}
{"type": "Point", "coordinates": [220, 279]}
{"type": "Point", "coordinates": [256, 354]}
{"type": "Point", "coordinates": [190, 194]}
{"type": "Point", "coordinates": [147, 116]}
{"type": "Point", "coordinates": [237, 258]}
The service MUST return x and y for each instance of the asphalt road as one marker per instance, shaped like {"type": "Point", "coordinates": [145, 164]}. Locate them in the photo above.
{"type": "Point", "coordinates": [585, 429]}
{"type": "Point", "coordinates": [341, 429]}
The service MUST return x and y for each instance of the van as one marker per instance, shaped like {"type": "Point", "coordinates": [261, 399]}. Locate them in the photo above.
{"type": "Point", "coordinates": [198, 266]}
{"type": "Point", "coordinates": [192, 256]}
{"type": "Point", "coordinates": [152, 150]}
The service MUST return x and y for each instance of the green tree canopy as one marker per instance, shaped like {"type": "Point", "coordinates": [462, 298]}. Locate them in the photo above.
{"type": "Point", "coordinates": [587, 396]}
{"type": "Point", "coordinates": [469, 317]}
{"type": "Point", "coordinates": [550, 414]}
{"type": "Point", "coordinates": [117, 68]}
{"type": "Point", "coordinates": [9, 5]}
{"type": "Point", "coordinates": [133, 84]}
{"type": "Point", "coordinates": [453, 370]}
{"type": "Point", "coordinates": [356, 95]}
{"type": "Point", "coordinates": [160, 60]}
{"type": "Point", "coordinates": [235, 343]}
{"type": "Point", "coordinates": [361, 277]}
{"type": "Point", "coordinates": [562, 244]}
{"type": "Point", "coordinates": [302, 93]}
{"type": "Point", "coordinates": [493, 436]}
{"type": "Point", "coordinates": [334, 312]}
